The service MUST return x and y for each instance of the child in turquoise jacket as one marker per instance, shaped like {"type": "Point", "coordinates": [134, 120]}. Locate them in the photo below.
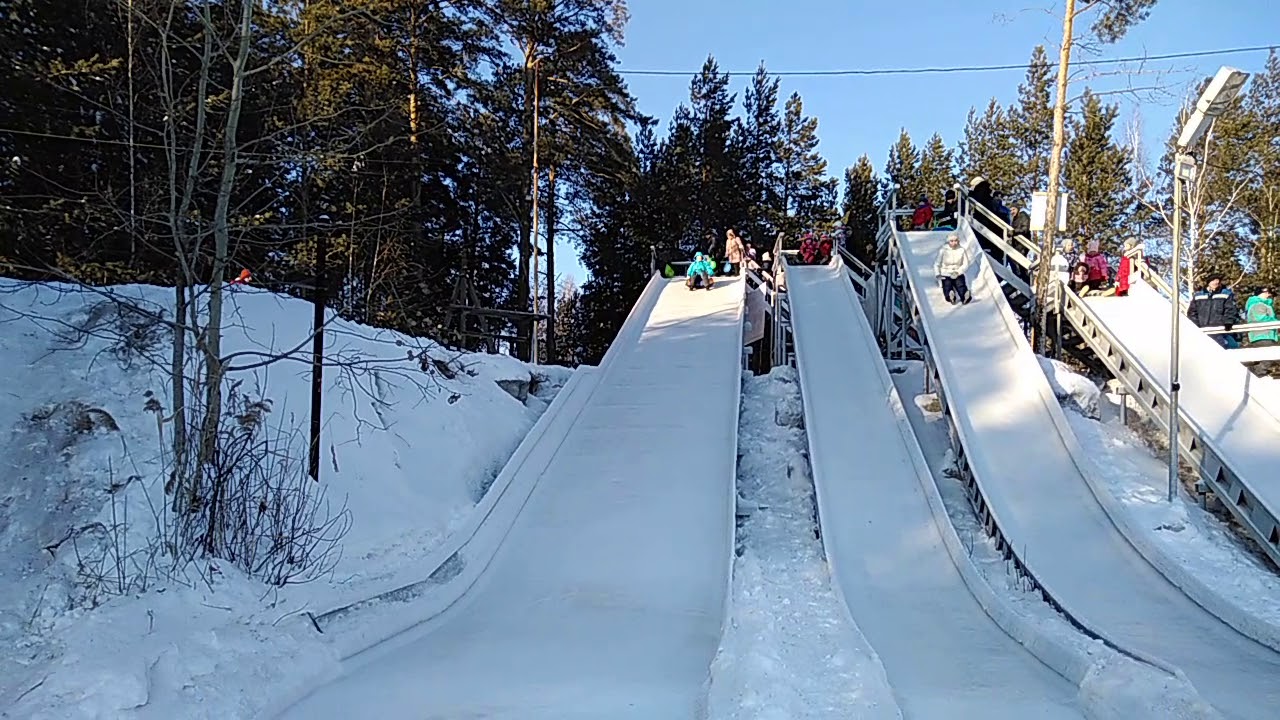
{"type": "Point", "coordinates": [700, 273]}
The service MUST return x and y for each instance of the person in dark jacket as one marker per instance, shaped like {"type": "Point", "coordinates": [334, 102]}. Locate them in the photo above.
{"type": "Point", "coordinates": [1021, 223]}
{"type": "Point", "coordinates": [997, 202]}
{"type": "Point", "coordinates": [1215, 306]}
{"type": "Point", "coordinates": [945, 218]}
{"type": "Point", "coordinates": [980, 193]}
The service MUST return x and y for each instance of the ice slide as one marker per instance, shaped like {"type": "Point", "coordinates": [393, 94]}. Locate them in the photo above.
{"type": "Point", "coordinates": [1235, 411]}
{"type": "Point", "coordinates": [1025, 459]}
{"type": "Point", "coordinates": [608, 595]}
{"type": "Point", "coordinates": [944, 657]}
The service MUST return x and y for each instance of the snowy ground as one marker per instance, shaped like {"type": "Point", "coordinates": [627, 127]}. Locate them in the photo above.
{"type": "Point", "coordinates": [409, 448]}
{"type": "Point", "coordinates": [791, 650]}
{"type": "Point", "coordinates": [1115, 687]}
{"type": "Point", "coordinates": [1183, 529]}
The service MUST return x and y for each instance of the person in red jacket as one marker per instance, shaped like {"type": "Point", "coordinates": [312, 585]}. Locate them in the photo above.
{"type": "Point", "coordinates": [922, 218]}
{"type": "Point", "coordinates": [1132, 252]}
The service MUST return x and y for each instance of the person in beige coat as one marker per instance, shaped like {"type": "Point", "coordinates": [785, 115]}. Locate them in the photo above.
{"type": "Point", "coordinates": [734, 250]}
{"type": "Point", "coordinates": [949, 268]}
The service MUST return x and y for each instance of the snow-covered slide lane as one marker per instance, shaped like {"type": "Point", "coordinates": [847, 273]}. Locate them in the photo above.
{"type": "Point", "coordinates": [943, 655]}
{"type": "Point", "coordinates": [607, 597]}
{"type": "Point", "coordinates": [1024, 457]}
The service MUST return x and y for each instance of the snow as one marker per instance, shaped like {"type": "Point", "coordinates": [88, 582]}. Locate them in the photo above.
{"type": "Point", "coordinates": [407, 449]}
{"type": "Point", "coordinates": [1238, 415]}
{"type": "Point", "coordinates": [1071, 389]}
{"type": "Point", "coordinates": [791, 650]}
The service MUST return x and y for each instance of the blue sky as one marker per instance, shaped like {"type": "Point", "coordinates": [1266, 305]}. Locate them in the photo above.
{"type": "Point", "coordinates": [859, 114]}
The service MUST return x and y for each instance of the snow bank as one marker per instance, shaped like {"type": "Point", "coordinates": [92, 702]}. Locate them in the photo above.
{"type": "Point", "coordinates": [413, 436]}
{"type": "Point", "coordinates": [791, 650]}
{"type": "Point", "coordinates": [1071, 388]}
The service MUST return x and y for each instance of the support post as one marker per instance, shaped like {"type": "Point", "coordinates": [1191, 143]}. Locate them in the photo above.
{"type": "Point", "coordinates": [317, 352]}
{"type": "Point", "coordinates": [1183, 166]}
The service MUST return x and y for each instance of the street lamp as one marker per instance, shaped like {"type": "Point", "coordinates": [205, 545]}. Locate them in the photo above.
{"type": "Point", "coordinates": [1213, 102]}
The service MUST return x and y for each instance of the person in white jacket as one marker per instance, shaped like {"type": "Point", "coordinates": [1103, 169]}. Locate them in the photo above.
{"type": "Point", "coordinates": [952, 261]}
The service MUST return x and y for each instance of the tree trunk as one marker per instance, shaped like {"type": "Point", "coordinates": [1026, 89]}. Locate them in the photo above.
{"type": "Point", "coordinates": [1044, 273]}
{"type": "Point", "coordinates": [552, 211]}
{"type": "Point", "coordinates": [533, 326]}
{"type": "Point", "coordinates": [212, 336]}
{"type": "Point", "coordinates": [184, 484]}
{"type": "Point", "coordinates": [527, 234]}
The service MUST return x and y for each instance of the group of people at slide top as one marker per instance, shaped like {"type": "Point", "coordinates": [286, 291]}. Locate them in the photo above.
{"type": "Point", "coordinates": [1090, 274]}
{"type": "Point", "coordinates": [702, 270]}
{"type": "Point", "coordinates": [815, 249]}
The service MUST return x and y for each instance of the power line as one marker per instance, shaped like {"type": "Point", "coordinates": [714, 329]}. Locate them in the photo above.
{"type": "Point", "coordinates": [958, 68]}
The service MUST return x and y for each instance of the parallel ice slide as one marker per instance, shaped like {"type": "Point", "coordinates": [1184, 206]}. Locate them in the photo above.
{"type": "Point", "coordinates": [944, 657]}
{"type": "Point", "coordinates": [1234, 410]}
{"type": "Point", "coordinates": [1025, 459]}
{"type": "Point", "coordinates": [608, 595]}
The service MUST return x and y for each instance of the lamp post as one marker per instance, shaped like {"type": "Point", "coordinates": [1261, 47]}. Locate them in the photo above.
{"type": "Point", "coordinates": [1215, 99]}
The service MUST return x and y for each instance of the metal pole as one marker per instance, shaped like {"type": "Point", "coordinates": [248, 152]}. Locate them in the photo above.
{"type": "Point", "coordinates": [1174, 312]}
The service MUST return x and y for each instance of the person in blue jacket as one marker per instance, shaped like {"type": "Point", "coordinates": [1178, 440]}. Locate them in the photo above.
{"type": "Point", "coordinates": [700, 272]}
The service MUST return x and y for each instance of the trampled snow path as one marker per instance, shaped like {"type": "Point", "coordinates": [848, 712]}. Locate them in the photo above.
{"type": "Point", "coordinates": [791, 650]}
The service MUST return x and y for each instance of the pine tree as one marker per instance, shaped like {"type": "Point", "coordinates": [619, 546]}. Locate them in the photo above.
{"type": "Point", "coordinates": [719, 200]}
{"type": "Point", "coordinates": [1030, 123]}
{"type": "Point", "coordinates": [808, 194]}
{"type": "Point", "coordinates": [1260, 171]}
{"type": "Point", "coordinates": [989, 149]}
{"type": "Point", "coordinates": [903, 169]}
{"type": "Point", "coordinates": [861, 189]}
{"type": "Point", "coordinates": [568, 328]}
{"type": "Point", "coordinates": [937, 170]}
{"type": "Point", "coordinates": [759, 137]}
{"type": "Point", "coordinates": [1098, 177]}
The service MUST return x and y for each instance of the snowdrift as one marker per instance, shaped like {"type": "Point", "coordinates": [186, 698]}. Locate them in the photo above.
{"type": "Point", "coordinates": [414, 434]}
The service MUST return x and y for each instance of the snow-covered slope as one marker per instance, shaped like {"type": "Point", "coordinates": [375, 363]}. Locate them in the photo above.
{"type": "Point", "coordinates": [413, 435]}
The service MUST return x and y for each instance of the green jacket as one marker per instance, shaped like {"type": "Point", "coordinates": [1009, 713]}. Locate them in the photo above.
{"type": "Point", "coordinates": [1258, 310]}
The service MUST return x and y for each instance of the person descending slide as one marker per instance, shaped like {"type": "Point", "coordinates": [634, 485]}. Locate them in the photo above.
{"type": "Point", "coordinates": [952, 261]}
{"type": "Point", "coordinates": [700, 272]}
